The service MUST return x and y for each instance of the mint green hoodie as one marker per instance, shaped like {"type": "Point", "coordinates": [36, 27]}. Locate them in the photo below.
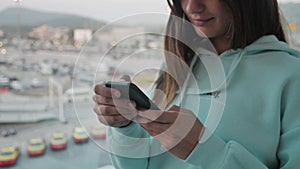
{"type": "Point", "coordinates": [253, 123]}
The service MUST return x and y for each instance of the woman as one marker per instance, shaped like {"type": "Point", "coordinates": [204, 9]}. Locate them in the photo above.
{"type": "Point", "coordinates": [260, 122]}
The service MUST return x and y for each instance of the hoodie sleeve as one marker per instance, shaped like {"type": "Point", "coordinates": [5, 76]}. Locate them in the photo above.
{"type": "Point", "coordinates": [231, 154]}
{"type": "Point", "coordinates": [289, 147]}
{"type": "Point", "coordinates": [226, 155]}
{"type": "Point", "coordinates": [128, 147]}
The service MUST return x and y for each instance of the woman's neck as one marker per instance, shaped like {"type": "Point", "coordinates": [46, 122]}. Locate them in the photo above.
{"type": "Point", "coordinates": [221, 44]}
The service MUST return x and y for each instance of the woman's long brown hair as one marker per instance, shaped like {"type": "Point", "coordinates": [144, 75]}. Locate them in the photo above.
{"type": "Point", "coordinates": [252, 20]}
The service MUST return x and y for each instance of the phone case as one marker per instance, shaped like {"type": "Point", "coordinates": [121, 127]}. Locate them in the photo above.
{"type": "Point", "coordinates": [131, 91]}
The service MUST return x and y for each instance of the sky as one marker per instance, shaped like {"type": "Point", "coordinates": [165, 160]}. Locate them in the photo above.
{"type": "Point", "coordinates": [107, 10]}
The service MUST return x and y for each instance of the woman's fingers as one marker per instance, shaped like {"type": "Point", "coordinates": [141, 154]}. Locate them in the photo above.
{"type": "Point", "coordinates": [121, 103]}
{"type": "Point", "coordinates": [109, 115]}
{"type": "Point", "coordinates": [111, 109]}
{"type": "Point", "coordinates": [107, 110]}
{"type": "Point", "coordinates": [114, 121]}
{"type": "Point", "coordinates": [168, 116]}
{"type": "Point", "coordinates": [178, 120]}
{"type": "Point", "coordinates": [159, 116]}
{"type": "Point", "coordinates": [155, 128]}
{"type": "Point", "coordinates": [102, 90]}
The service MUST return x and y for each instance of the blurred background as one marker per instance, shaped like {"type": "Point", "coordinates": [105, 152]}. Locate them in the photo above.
{"type": "Point", "coordinates": [51, 55]}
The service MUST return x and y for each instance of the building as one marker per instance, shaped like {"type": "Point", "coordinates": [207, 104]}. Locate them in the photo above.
{"type": "Point", "coordinates": [46, 32]}
{"type": "Point", "coordinates": [81, 36]}
{"type": "Point", "coordinates": [121, 38]}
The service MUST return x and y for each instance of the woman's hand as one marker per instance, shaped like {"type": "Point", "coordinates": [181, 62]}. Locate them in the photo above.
{"type": "Point", "coordinates": [177, 129]}
{"type": "Point", "coordinates": [111, 109]}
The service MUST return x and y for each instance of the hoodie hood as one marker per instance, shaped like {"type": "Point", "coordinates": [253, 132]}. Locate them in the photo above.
{"type": "Point", "coordinates": [219, 81]}
{"type": "Point", "coordinates": [264, 44]}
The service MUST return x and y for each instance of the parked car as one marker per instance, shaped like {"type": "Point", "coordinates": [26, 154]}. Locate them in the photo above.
{"type": "Point", "coordinates": [36, 147]}
{"type": "Point", "coordinates": [4, 81]}
{"type": "Point", "coordinates": [36, 83]}
{"type": "Point", "coordinates": [58, 141]}
{"type": "Point", "coordinates": [9, 156]}
{"type": "Point", "coordinates": [12, 131]}
{"type": "Point", "coordinates": [79, 135]}
{"type": "Point", "coordinates": [4, 133]}
{"type": "Point", "coordinates": [98, 132]}
{"type": "Point", "coordinates": [16, 85]}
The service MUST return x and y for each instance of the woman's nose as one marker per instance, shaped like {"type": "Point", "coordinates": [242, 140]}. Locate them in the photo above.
{"type": "Point", "coordinates": [193, 6]}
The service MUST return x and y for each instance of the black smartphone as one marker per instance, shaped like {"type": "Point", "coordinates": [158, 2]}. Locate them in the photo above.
{"type": "Point", "coordinates": [131, 91]}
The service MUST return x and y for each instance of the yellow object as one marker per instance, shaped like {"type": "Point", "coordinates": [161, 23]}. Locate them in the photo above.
{"type": "Point", "coordinates": [79, 135]}
{"type": "Point", "coordinates": [9, 155]}
{"type": "Point", "coordinates": [36, 146]}
{"type": "Point", "coordinates": [292, 25]}
{"type": "Point", "coordinates": [58, 141]}
{"type": "Point", "coordinates": [99, 132]}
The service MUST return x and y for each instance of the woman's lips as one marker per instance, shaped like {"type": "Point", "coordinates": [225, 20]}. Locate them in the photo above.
{"type": "Point", "coordinates": [201, 22]}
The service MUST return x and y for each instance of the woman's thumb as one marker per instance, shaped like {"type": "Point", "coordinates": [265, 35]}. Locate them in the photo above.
{"type": "Point", "coordinates": [126, 78]}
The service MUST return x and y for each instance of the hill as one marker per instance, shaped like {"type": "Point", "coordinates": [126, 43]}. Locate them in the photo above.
{"type": "Point", "coordinates": [30, 18]}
